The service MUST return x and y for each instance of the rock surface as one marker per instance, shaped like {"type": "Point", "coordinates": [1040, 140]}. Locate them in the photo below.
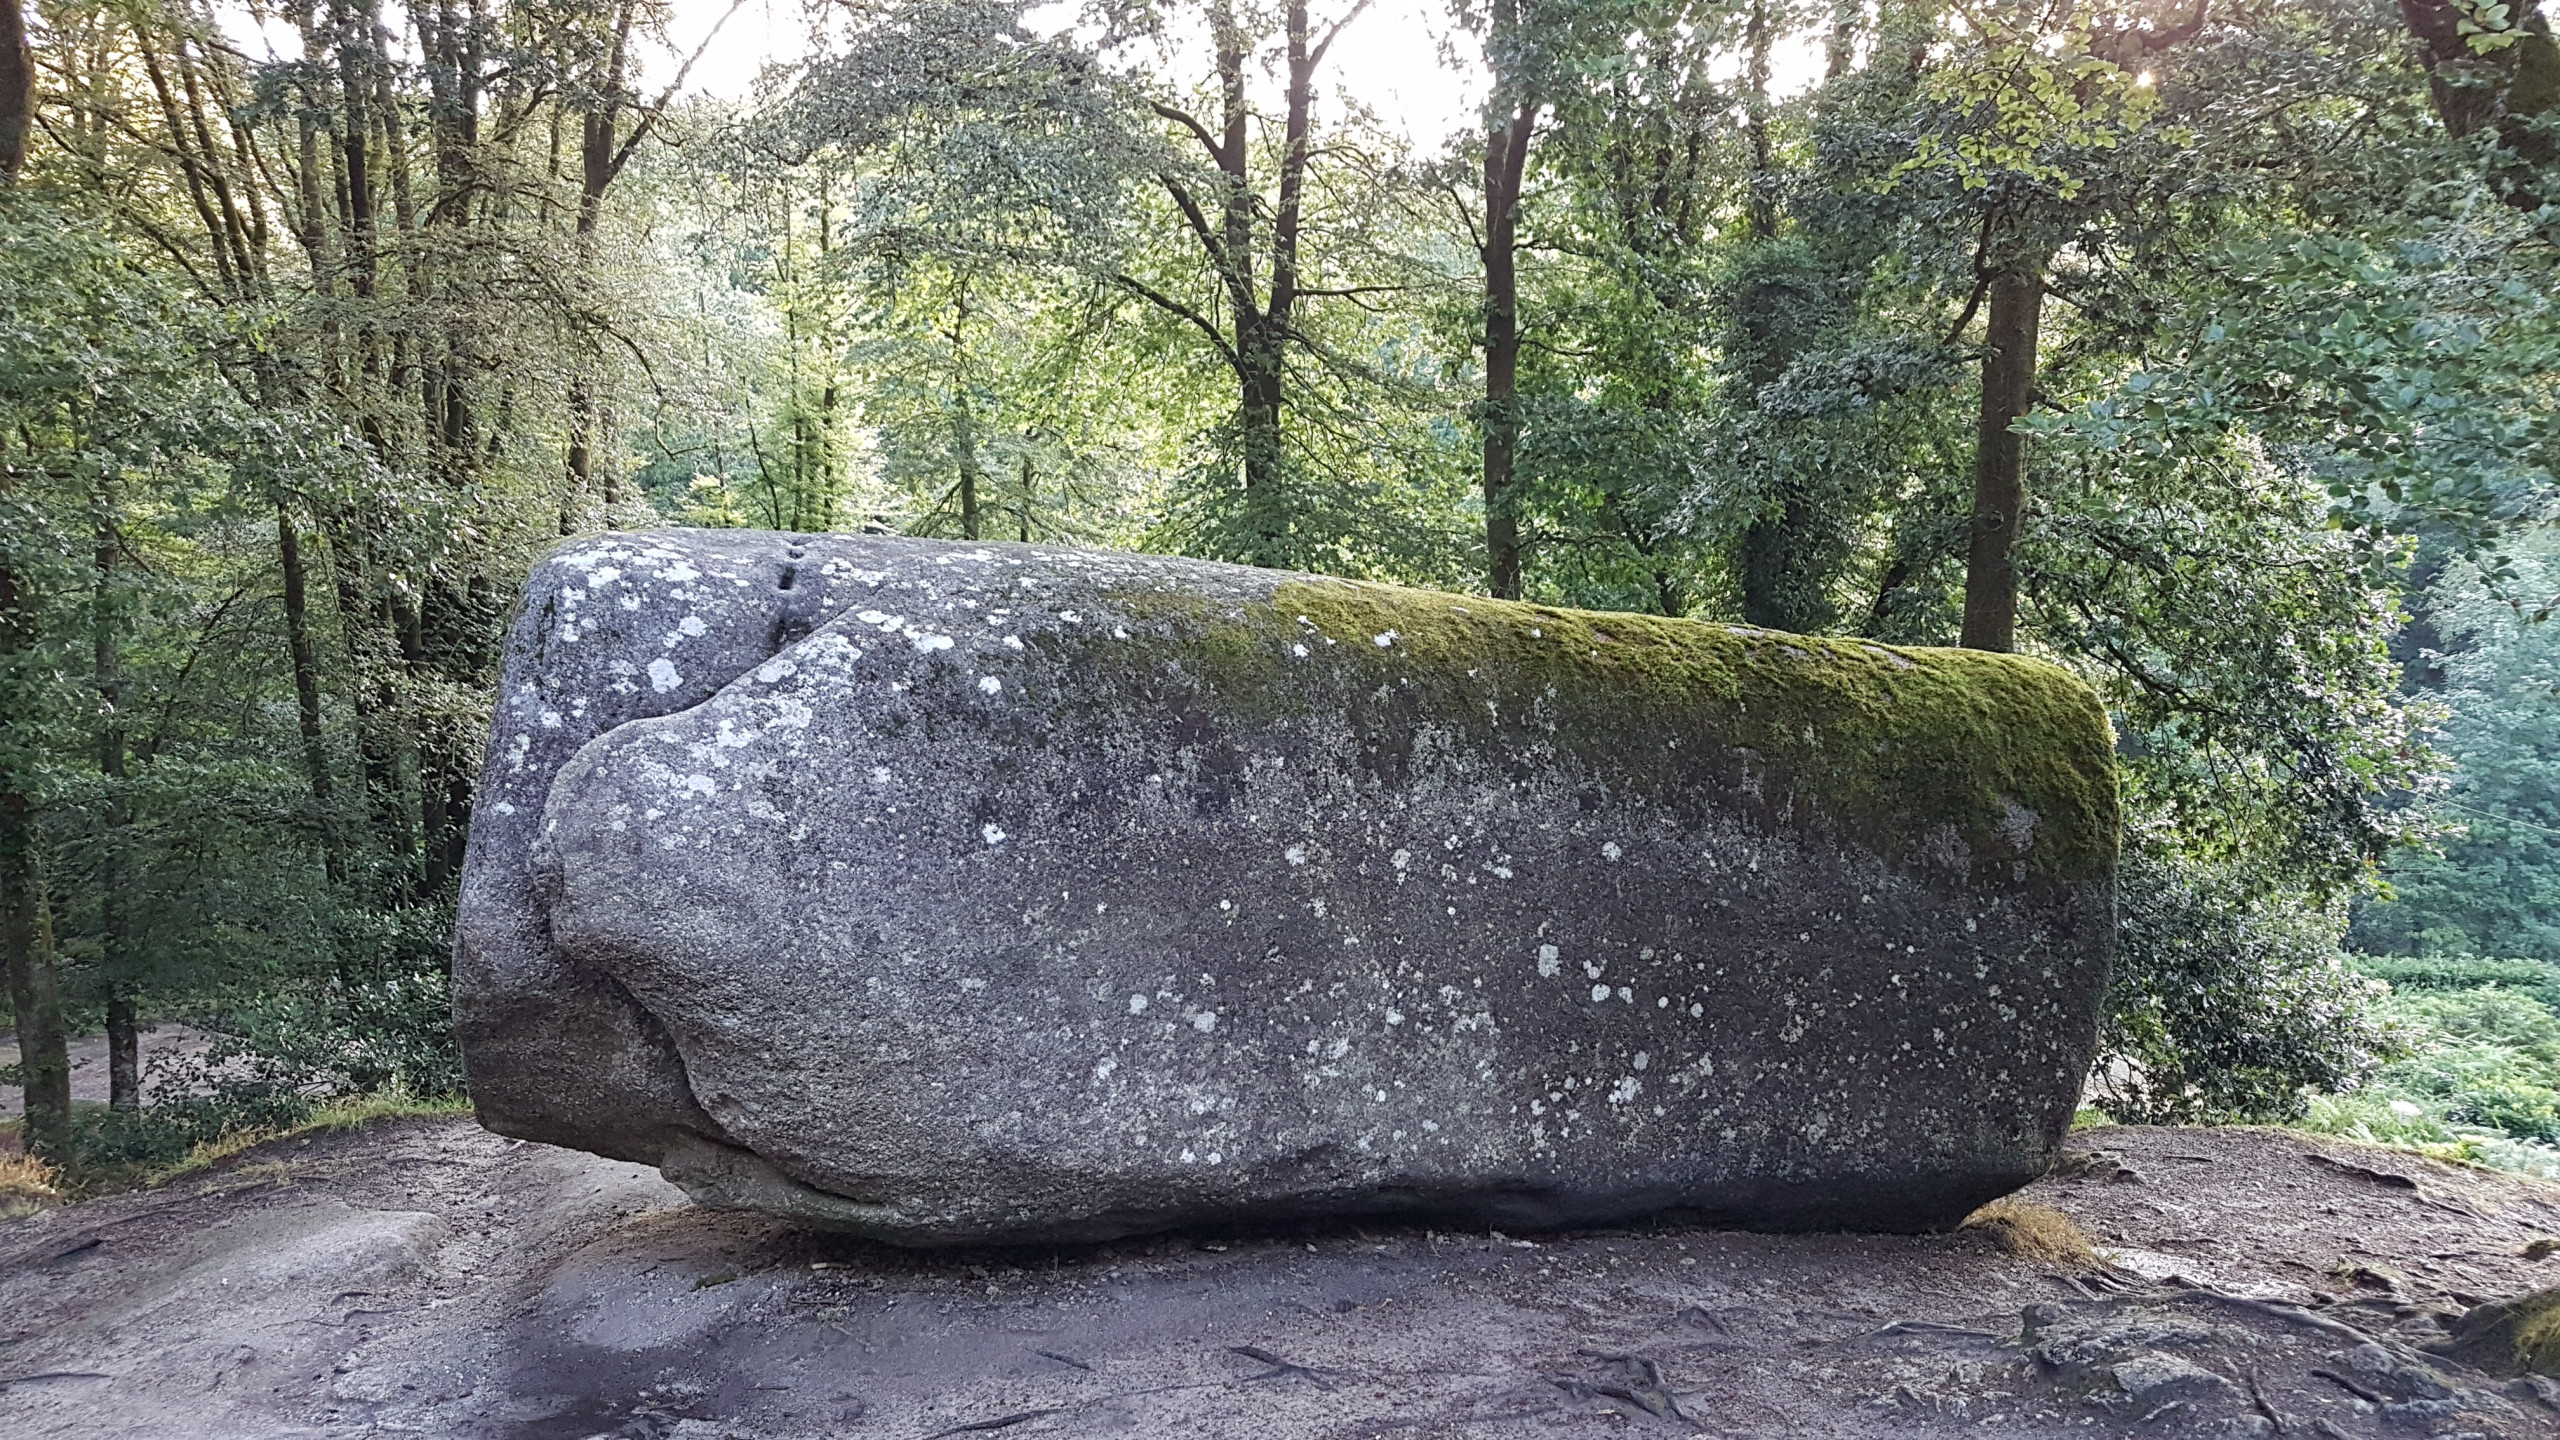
{"type": "Point", "coordinates": [950, 893]}
{"type": "Point", "coordinates": [429, 1279]}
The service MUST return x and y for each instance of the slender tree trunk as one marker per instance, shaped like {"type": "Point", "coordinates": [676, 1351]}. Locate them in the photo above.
{"type": "Point", "coordinates": [376, 697]}
{"type": "Point", "coordinates": [124, 1036]}
{"type": "Point", "coordinates": [965, 440]}
{"type": "Point", "coordinates": [964, 426]}
{"type": "Point", "coordinates": [2000, 459]}
{"type": "Point", "coordinates": [35, 985]}
{"type": "Point", "coordinates": [17, 90]}
{"type": "Point", "coordinates": [598, 163]}
{"type": "Point", "coordinates": [26, 915]}
{"type": "Point", "coordinates": [26, 906]}
{"type": "Point", "coordinates": [581, 463]}
{"type": "Point", "coordinates": [306, 690]}
{"type": "Point", "coordinates": [1506, 158]}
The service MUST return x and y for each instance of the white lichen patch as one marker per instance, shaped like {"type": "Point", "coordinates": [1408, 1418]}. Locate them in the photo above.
{"type": "Point", "coordinates": [663, 676]}
{"type": "Point", "coordinates": [1550, 961]}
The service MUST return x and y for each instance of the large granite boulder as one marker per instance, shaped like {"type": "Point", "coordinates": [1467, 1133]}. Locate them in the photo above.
{"type": "Point", "coordinates": [951, 893]}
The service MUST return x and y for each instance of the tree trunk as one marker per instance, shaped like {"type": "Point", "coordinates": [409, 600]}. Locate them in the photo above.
{"type": "Point", "coordinates": [2513, 90]}
{"type": "Point", "coordinates": [1760, 33]}
{"type": "Point", "coordinates": [582, 412]}
{"type": "Point", "coordinates": [17, 90]}
{"type": "Point", "coordinates": [35, 985]}
{"type": "Point", "coordinates": [2000, 459]}
{"type": "Point", "coordinates": [599, 162]}
{"type": "Point", "coordinates": [124, 1074]}
{"type": "Point", "coordinates": [1784, 579]}
{"type": "Point", "coordinates": [306, 690]}
{"type": "Point", "coordinates": [376, 697]}
{"type": "Point", "coordinates": [1259, 396]}
{"type": "Point", "coordinates": [26, 910]}
{"type": "Point", "coordinates": [26, 906]}
{"type": "Point", "coordinates": [1506, 157]}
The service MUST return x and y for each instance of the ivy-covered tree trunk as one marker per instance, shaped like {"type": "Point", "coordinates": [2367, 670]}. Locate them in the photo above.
{"type": "Point", "coordinates": [1783, 574]}
{"type": "Point", "coordinates": [2000, 455]}
{"type": "Point", "coordinates": [2503, 80]}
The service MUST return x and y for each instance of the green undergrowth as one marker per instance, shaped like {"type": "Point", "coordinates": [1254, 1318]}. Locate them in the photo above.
{"type": "Point", "coordinates": [115, 1151]}
{"type": "Point", "coordinates": [1897, 746]}
{"type": "Point", "coordinates": [2479, 1077]}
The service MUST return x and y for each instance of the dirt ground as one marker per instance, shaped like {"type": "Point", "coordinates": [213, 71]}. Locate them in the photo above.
{"type": "Point", "coordinates": [427, 1278]}
{"type": "Point", "coordinates": [160, 1046]}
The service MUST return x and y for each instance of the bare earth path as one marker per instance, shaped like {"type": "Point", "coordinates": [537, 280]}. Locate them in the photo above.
{"type": "Point", "coordinates": [426, 1278]}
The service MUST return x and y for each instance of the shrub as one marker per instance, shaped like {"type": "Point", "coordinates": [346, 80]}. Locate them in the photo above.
{"type": "Point", "coordinates": [2231, 999]}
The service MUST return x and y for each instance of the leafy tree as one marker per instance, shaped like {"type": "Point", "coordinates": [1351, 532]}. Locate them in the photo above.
{"type": "Point", "coordinates": [2492, 886]}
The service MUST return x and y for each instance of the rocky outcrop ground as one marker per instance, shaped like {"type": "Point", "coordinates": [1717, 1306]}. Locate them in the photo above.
{"type": "Point", "coordinates": [427, 1278]}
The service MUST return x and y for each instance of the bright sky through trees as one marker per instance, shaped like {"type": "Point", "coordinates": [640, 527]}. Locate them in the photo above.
{"type": "Point", "coordinates": [1396, 58]}
{"type": "Point", "coordinates": [1402, 58]}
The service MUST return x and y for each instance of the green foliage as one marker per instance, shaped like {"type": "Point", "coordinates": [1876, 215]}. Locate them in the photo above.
{"type": "Point", "coordinates": [2492, 882]}
{"type": "Point", "coordinates": [2478, 1076]}
{"type": "Point", "coordinates": [2539, 979]}
{"type": "Point", "coordinates": [2232, 999]}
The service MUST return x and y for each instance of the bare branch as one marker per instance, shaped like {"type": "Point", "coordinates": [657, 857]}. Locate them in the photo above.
{"type": "Point", "coordinates": [1183, 118]}
{"type": "Point", "coordinates": [1176, 308]}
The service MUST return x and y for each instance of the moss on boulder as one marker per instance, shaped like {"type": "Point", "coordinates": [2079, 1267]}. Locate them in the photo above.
{"type": "Point", "coordinates": [1899, 749]}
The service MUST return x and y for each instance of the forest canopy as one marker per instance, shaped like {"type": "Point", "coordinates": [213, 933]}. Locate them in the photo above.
{"type": "Point", "coordinates": [2204, 347]}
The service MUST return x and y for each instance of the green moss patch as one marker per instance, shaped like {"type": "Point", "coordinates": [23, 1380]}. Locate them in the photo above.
{"type": "Point", "coordinates": [2510, 1337]}
{"type": "Point", "coordinates": [1902, 751]}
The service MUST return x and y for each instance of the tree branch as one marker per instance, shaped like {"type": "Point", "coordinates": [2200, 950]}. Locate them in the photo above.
{"type": "Point", "coordinates": [1176, 308]}
{"type": "Point", "coordinates": [1183, 118]}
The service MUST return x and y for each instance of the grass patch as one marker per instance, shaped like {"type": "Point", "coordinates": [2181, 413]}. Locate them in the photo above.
{"type": "Point", "coordinates": [27, 1185]}
{"type": "Point", "coordinates": [114, 1151]}
{"type": "Point", "coordinates": [349, 1113]}
{"type": "Point", "coordinates": [2034, 1232]}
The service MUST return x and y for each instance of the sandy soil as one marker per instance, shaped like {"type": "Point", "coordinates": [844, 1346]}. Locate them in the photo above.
{"type": "Point", "coordinates": [426, 1278]}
